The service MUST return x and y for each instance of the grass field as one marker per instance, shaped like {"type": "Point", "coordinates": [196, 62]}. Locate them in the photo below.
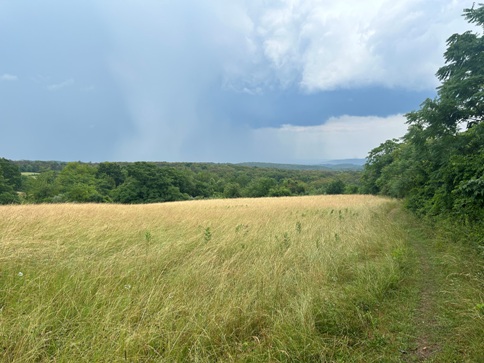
{"type": "Point", "coordinates": [306, 279]}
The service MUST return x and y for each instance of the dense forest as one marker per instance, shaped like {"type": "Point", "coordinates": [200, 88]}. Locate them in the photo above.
{"type": "Point", "coordinates": [438, 165]}
{"type": "Point", "coordinates": [149, 182]}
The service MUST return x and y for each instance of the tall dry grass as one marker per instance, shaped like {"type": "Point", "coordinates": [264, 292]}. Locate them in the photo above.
{"type": "Point", "coordinates": [276, 279]}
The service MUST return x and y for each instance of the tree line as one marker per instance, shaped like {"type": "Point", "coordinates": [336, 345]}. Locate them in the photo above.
{"type": "Point", "coordinates": [438, 165]}
{"type": "Point", "coordinates": [149, 182]}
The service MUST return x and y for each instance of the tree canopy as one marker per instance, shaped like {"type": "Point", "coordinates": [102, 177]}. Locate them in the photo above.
{"type": "Point", "coordinates": [149, 182]}
{"type": "Point", "coordinates": [10, 182]}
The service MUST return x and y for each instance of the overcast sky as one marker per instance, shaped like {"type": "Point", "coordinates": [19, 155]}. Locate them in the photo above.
{"type": "Point", "coordinates": [298, 81]}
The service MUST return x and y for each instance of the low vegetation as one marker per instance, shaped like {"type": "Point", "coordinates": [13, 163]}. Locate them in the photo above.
{"type": "Point", "coordinates": [300, 279]}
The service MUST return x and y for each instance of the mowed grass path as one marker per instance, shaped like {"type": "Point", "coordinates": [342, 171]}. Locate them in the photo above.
{"type": "Point", "coordinates": [307, 279]}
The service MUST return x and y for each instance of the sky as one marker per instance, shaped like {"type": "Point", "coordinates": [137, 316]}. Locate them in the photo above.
{"type": "Point", "coordinates": [288, 81]}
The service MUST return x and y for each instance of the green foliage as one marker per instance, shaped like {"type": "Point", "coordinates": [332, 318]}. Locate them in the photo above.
{"type": "Point", "coordinates": [37, 166]}
{"type": "Point", "coordinates": [127, 192]}
{"type": "Point", "coordinates": [463, 74]}
{"type": "Point", "coordinates": [232, 190]}
{"type": "Point", "coordinates": [10, 182]}
{"type": "Point", "coordinates": [11, 173]}
{"type": "Point", "coordinates": [296, 187]}
{"type": "Point", "coordinates": [111, 173]}
{"type": "Point", "coordinates": [259, 187]}
{"type": "Point", "coordinates": [143, 182]}
{"type": "Point", "coordinates": [298, 227]}
{"type": "Point", "coordinates": [377, 160]}
{"type": "Point", "coordinates": [336, 187]}
{"type": "Point", "coordinates": [77, 183]}
{"type": "Point", "coordinates": [83, 193]}
{"type": "Point", "coordinates": [351, 189]}
{"type": "Point", "coordinates": [280, 191]}
{"type": "Point", "coordinates": [42, 188]}
{"type": "Point", "coordinates": [7, 193]}
{"type": "Point", "coordinates": [207, 234]}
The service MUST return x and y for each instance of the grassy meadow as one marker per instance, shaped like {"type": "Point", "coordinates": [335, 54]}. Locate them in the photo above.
{"type": "Point", "coordinates": [301, 279]}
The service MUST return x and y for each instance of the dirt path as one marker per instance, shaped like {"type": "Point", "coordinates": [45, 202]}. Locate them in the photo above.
{"type": "Point", "coordinates": [440, 318]}
{"type": "Point", "coordinates": [425, 315]}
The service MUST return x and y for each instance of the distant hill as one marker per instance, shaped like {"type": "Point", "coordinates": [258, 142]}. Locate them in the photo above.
{"type": "Point", "coordinates": [285, 166]}
{"type": "Point", "coordinates": [359, 162]}
{"type": "Point", "coordinates": [36, 166]}
{"type": "Point", "coordinates": [331, 165]}
{"type": "Point", "coordinates": [344, 164]}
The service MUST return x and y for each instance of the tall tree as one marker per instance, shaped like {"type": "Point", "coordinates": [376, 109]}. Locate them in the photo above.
{"type": "Point", "coordinates": [146, 183]}
{"type": "Point", "coordinates": [111, 172]}
{"type": "Point", "coordinates": [377, 160]}
{"type": "Point", "coordinates": [42, 188]}
{"type": "Point", "coordinates": [460, 97]}
{"type": "Point", "coordinates": [11, 173]}
{"type": "Point", "coordinates": [77, 183]}
{"type": "Point", "coordinates": [7, 193]}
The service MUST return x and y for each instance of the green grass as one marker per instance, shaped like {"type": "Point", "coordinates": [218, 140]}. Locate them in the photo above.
{"type": "Point", "coordinates": [310, 279]}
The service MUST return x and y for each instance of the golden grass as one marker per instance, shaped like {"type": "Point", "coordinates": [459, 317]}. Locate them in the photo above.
{"type": "Point", "coordinates": [273, 279]}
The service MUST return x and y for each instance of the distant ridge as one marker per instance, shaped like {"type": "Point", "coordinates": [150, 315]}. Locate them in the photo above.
{"type": "Point", "coordinates": [331, 165]}
{"type": "Point", "coordinates": [359, 162]}
{"type": "Point", "coordinates": [285, 166]}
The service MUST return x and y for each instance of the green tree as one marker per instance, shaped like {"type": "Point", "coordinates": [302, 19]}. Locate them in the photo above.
{"type": "Point", "coordinates": [10, 182]}
{"type": "Point", "coordinates": [181, 179]}
{"type": "Point", "coordinates": [460, 97]}
{"type": "Point", "coordinates": [146, 183]}
{"type": "Point", "coordinates": [112, 172]}
{"type": "Point", "coordinates": [42, 188]}
{"type": "Point", "coordinates": [279, 191]}
{"type": "Point", "coordinates": [463, 74]}
{"type": "Point", "coordinates": [232, 190]}
{"type": "Point", "coordinates": [377, 160]}
{"type": "Point", "coordinates": [11, 173]}
{"type": "Point", "coordinates": [296, 187]}
{"type": "Point", "coordinates": [259, 187]}
{"type": "Point", "coordinates": [336, 187]}
{"type": "Point", "coordinates": [77, 183]}
{"type": "Point", "coordinates": [7, 193]}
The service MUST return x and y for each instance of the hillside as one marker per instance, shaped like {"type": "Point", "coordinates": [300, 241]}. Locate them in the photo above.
{"type": "Point", "coordinates": [335, 165]}
{"type": "Point", "coordinates": [299, 279]}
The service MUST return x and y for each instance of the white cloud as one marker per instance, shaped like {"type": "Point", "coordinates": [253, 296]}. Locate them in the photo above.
{"type": "Point", "coordinates": [330, 44]}
{"type": "Point", "coordinates": [8, 77]}
{"type": "Point", "coordinates": [343, 137]}
{"type": "Point", "coordinates": [61, 85]}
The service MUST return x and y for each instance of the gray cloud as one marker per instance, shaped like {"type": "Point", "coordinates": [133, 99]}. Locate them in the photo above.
{"type": "Point", "coordinates": [174, 55]}
{"type": "Point", "coordinates": [215, 80]}
{"type": "Point", "coordinates": [167, 55]}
